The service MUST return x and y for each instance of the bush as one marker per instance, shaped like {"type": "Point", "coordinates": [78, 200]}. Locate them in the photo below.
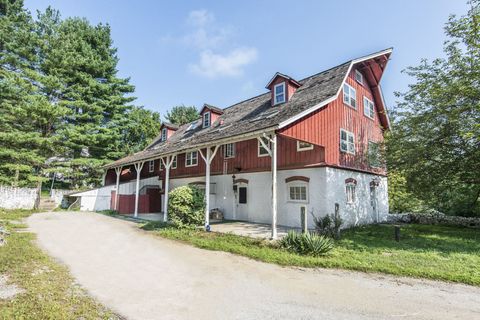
{"type": "Point", "coordinates": [329, 225]}
{"type": "Point", "coordinates": [307, 243]}
{"type": "Point", "coordinates": [186, 207]}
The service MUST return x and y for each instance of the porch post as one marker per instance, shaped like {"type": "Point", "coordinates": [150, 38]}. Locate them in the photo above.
{"type": "Point", "coordinates": [167, 163]}
{"type": "Point", "coordinates": [272, 151]}
{"type": "Point", "coordinates": [274, 186]}
{"type": "Point", "coordinates": [138, 168]}
{"type": "Point", "coordinates": [118, 171]}
{"type": "Point", "coordinates": [208, 160]}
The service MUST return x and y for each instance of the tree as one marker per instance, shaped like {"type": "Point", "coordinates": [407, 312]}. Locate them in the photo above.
{"type": "Point", "coordinates": [182, 114]}
{"type": "Point", "coordinates": [63, 108]}
{"type": "Point", "coordinates": [435, 141]}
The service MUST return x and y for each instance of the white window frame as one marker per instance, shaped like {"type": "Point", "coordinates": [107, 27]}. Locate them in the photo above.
{"type": "Point", "coordinates": [358, 77]}
{"type": "Point", "coordinates": [226, 154]}
{"type": "Point", "coordinates": [164, 134]}
{"type": "Point", "coordinates": [299, 148]}
{"type": "Point", "coordinates": [191, 158]}
{"type": "Point", "coordinates": [174, 162]}
{"type": "Point", "coordinates": [347, 135]}
{"type": "Point", "coordinates": [371, 111]}
{"type": "Point", "coordinates": [298, 184]}
{"type": "Point", "coordinates": [276, 101]}
{"type": "Point", "coordinates": [260, 147]}
{"type": "Point", "coordinates": [151, 165]}
{"type": "Point", "coordinates": [207, 116]}
{"type": "Point", "coordinates": [349, 96]}
{"type": "Point", "coordinates": [350, 192]}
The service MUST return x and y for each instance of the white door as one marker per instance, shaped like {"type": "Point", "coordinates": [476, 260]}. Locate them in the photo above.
{"type": "Point", "coordinates": [242, 202]}
{"type": "Point", "coordinates": [374, 202]}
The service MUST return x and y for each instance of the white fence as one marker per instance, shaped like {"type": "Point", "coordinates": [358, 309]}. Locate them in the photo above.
{"type": "Point", "coordinates": [24, 198]}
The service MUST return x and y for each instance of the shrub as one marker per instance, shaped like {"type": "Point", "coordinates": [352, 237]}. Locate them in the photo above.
{"type": "Point", "coordinates": [307, 243]}
{"type": "Point", "coordinates": [329, 225]}
{"type": "Point", "coordinates": [186, 207]}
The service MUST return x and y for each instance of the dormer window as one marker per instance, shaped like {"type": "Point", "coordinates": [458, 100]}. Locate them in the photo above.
{"type": "Point", "coordinates": [279, 93]}
{"type": "Point", "coordinates": [206, 119]}
{"type": "Point", "coordinates": [164, 134]}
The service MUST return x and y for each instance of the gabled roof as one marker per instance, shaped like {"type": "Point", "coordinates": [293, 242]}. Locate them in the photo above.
{"type": "Point", "coordinates": [255, 115]}
{"type": "Point", "coordinates": [211, 108]}
{"type": "Point", "coordinates": [278, 74]}
{"type": "Point", "coordinates": [169, 126]}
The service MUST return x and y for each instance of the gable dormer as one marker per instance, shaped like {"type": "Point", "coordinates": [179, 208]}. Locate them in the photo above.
{"type": "Point", "coordinates": [209, 115]}
{"type": "Point", "coordinates": [282, 88]}
{"type": "Point", "coordinates": [167, 130]}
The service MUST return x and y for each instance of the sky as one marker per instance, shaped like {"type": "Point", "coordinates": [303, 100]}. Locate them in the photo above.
{"type": "Point", "coordinates": [223, 52]}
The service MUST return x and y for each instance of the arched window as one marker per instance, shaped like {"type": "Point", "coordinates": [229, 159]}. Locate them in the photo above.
{"type": "Point", "coordinates": [350, 186]}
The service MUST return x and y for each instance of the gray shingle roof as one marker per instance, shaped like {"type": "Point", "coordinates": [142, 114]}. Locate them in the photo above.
{"type": "Point", "coordinates": [248, 116]}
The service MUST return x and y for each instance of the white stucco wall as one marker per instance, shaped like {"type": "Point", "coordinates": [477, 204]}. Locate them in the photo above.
{"type": "Point", "coordinates": [17, 198]}
{"type": "Point", "coordinates": [325, 188]}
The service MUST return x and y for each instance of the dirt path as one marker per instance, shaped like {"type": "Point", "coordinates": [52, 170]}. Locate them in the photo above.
{"type": "Point", "coordinates": [145, 277]}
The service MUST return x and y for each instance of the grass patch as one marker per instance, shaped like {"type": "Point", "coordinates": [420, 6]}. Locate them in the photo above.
{"type": "Point", "coordinates": [49, 290]}
{"type": "Point", "coordinates": [434, 252]}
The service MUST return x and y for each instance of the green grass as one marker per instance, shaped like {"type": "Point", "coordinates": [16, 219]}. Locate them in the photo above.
{"type": "Point", "coordinates": [49, 290]}
{"type": "Point", "coordinates": [435, 252]}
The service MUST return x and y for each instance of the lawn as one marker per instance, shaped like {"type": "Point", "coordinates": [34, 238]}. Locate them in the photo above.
{"type": "Point", "coordinates": [435, 252]}
{"type": "Point", "coordinates": [47, 289]}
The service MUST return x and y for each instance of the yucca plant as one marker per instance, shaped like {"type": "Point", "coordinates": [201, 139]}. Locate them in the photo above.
{"type": "Point", "coordinates": [307, 243]}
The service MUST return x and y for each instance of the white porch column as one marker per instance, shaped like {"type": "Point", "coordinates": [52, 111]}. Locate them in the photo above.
{"type": "Point", "coordinates": [272, 151]}
{"type": "Point", "coordinates": [167, 163]}
{"type": "Point", "coordinates": [118, 171]}
{"type": "Point", "coordinates": [208, 160]}
{"type": "Point", "coordinates": [138, 168]}
{"type": "Point", "coordinates": [274, 187]}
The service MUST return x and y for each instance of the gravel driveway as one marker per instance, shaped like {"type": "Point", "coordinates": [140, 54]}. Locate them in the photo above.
{"type": "Point", "coordinates": [141, 276]}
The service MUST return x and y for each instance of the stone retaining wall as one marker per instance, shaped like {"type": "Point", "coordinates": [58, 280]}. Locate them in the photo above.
{"type": "Point", "coordinates": [434, 218]}
{"type": "Point", "coordinates": [24, 198]}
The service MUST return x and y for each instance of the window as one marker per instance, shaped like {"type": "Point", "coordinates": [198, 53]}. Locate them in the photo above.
{"type": "Point", "coordinates": [279, 93]}
{"type": "Point", "coordinates": [229, 150]}
{"type": "Point", "coordinates": [191, 159]}
{"type": "Point", "coordinates": [374, 160]}
{"type": "Point", "coordinates": [298, 193]}
{"type": "Point", "coordinates": [347, 142]}
{"type": "Point", "coordinates": [349, 96]}
{"type": "Point", "coordinates": [160, 167]}
{"type": "Point", "coordinates": [350, 191]}
{"type": "Point", "coordinates": [359, 76]}
{"type": "Point", "coordinates": [242, 195]}
{"type": "Point", "coordinates": [262, 152]}
{"type": "Point", "coordinates": [164, 134]}
{"type": "Point", "coordinates": [303, 146]}
{"type": "Point", "coordinates": [192, 126]}
{"type": "Point", "coordinates": [206, 119]}
{"type": "Point", "coordinates": [368, 108]}
{"type": "Point", "coordinates": [151, 165]}
{"type": "Point", "coordinates": [174, 162]}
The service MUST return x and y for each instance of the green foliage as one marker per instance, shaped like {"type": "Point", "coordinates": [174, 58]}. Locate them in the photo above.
{"type": "Point", "coordinates": [186, 207]}
{"type": "Point", "coordinates": [64, 109]}
{"type": "Point", "coordinates": [307, 243]}
{"type": "Point", "coordinates": [328, 225]}
{"type": "Point", "coordinates": [182, 114]}
{"type": "Point", "coordinates": [434, 252]}
{"type": "Point", "coordinates": [435, 141]}
{"type": "Point", "coordinates": [400, 199]}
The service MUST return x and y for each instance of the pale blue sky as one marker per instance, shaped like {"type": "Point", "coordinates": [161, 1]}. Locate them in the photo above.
{"type": "Point", "coordinates": [195, 52]}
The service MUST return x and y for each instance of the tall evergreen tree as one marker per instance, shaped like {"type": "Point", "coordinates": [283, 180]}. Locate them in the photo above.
{"type": "Point", "coordinates": [435, 142]}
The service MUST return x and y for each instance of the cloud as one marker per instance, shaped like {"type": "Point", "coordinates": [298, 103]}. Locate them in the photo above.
{"type": "Point", "coordinates": [200, 18]}
{"type": "Point", "coordinates": [207, 39]}
{"type": "Point", "coordinates": [212, 65]}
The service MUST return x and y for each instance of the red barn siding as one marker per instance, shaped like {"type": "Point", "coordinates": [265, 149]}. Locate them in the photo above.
{"type": "Point", "coordinates": [323, 128]}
